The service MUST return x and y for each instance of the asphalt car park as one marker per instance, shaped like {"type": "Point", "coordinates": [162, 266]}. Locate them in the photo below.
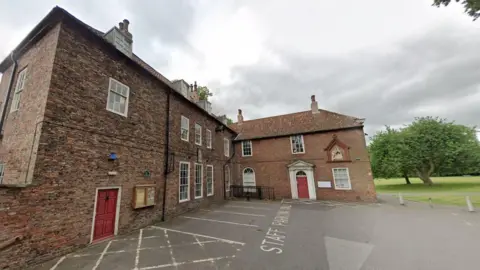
{"type": "Point", "coordinates": [294, 235]}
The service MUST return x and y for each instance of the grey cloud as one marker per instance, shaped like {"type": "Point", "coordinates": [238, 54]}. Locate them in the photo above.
{"type": "Point", "coordinates": [388, 87]}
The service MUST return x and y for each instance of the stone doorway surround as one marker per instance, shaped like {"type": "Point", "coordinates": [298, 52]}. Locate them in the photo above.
{"type": "Point", "coordinates": [306, 167]}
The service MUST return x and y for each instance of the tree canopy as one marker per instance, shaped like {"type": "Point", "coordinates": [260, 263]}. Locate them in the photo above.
{"type": "Point", "coordinates": [472, 7]}
{"type": "Point", "coordinates": [425, 147]}
{"type": "Point", "coordinates": [204, 93]}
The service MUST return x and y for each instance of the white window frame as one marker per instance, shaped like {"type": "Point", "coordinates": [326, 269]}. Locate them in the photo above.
{"type": "Point", "coordinates": [126, 97]}
{"type": "Point", "coordinates": [335, 182]}
{"type": "Point", "coordinates": [198, 134]}
{"type": "Point", "coordinates": [291, 144]}
{"type": "Point", "coordinates": [212, 182]}
{"type": "Point", "coordinates": [243, 148]}
{"type": "Point", "coordinates": [228, 176]}
{"type": "Point", "coordinates": [183, 128]}
{"type": "Point", "coordinates": [201, 180]}
{"type": "Point", "coordinates": [226, 147]}
{"type": "Point", "coordinates": [21, 79]}
{"type": "Point", "coordinates": [209, 138]}
{"type": "Point", "coordinates": [2, 172]}
{"type": "Point", "coordinates": [245, 187]}
{"type": "Point", "coordinates": [180, 181]}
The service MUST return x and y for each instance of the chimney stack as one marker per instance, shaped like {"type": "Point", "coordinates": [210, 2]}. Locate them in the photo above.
{"type": "Point", "coordinates": [239, 116]}
{"type": "Point", "coordinates": [314, 105]}
{"type": "Point", "coordinates": [195, 85]}
{"type": "Point", "coordinates": [121, 26]}
{"type": "Point", "coordinates": [125, 24]}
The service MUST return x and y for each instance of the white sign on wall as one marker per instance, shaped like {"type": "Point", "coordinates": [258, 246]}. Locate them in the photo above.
{"type": "Point", "coordinates": [324, 184]}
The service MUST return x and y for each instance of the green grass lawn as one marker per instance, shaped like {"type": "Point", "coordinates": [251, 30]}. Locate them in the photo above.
{"type": "Point", "coordinates": [443, 191]}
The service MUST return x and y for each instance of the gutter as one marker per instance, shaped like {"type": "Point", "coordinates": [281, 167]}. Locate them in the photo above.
{"type": "Point", "coordinates": [9, 91]}
{"type": "Point", "coordinates": [166, 153]}
{"type": "Point", "coordinates": [226, 162]}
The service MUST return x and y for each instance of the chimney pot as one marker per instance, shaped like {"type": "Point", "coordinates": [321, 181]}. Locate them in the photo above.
{"type": "Point", "coordinates": [314, 105]}
{"type": "Point", "coordinates": [191, 87]}
{"type": "Point", "coordinates": [125, 24]}
{"type": "Point", "coordinates": [195, 85]}
{"type": "Point", "coordinates": [239, 116]}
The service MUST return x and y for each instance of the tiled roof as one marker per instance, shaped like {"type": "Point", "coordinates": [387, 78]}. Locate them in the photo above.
{"type": "Point", "coordinates": [295, 123]}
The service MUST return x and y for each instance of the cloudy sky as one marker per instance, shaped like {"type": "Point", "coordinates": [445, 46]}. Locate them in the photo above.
{"type": "Point", "coordinates": [384, 60]}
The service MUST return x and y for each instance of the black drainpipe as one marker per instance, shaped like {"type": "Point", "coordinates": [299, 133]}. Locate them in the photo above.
{"type": "Point", "coordinates": [9, 91]}
{"type": "Point", "coordinates": [166, 155]}
{"type": "Point", "coordinates": [228, 160]}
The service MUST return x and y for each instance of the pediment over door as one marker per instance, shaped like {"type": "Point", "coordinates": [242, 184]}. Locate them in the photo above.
{"type": "Point", "coordinates": [300, 164]}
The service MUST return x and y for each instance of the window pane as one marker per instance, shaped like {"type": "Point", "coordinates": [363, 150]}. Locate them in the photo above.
{"type": "Point", "coordinates": [198, 180]}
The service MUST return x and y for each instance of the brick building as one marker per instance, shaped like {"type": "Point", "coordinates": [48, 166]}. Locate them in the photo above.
{"type": "Point", "coordinates": [315, 154]}
{"type": "Point", "coordinates": [95, 142]}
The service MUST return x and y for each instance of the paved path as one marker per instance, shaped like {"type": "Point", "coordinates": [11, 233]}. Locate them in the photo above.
{"type": "Point", "coordinates": [294, 235]}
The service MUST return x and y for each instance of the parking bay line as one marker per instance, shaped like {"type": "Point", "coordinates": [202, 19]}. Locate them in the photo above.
{"type": "Point", "coordinates": [145, 248]}
{"type": "Point", "coordinates": [201, 235]}
{"type": "Point", "coordinates": [187, 262]}
{"type": "Point", "coordinates": [248, 207]}
{"type": "Point", "coordinates": [233, 213]}
{"type": "Point", "coordinates": [221, 221]}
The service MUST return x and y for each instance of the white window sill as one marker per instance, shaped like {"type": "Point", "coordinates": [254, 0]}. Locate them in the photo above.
{"type": "Point", "coordinates": [182, 201]}
{"type": "Point", "coordinates": [198, 144]}
{"type": "Point", "coordinates": [247, 155]}
{"type": "Point", "coordinates": [337, 188]}
{"type": "Point", "coordinates": [298, 153]}
{"type": "Point", "coordinates": [199, 197]}
{"type": "Point", "coordinates": [122, 114]}
{"type": "Point", "coordinates": [209, 195]}
{"type": "Point", "coordinates": [185, 140]}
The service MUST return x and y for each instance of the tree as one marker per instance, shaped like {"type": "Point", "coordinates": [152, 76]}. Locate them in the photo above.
{"type": "Point", "coordinates": [204, 93]}
{"type": "Point", "coordinates": [229, 121]}
{"type": "Point", "coordinates": [433, 143]}
{"type": "Point", "coordinates": [387, 155]}
{"type": "Point", "coordinates": [472, 7]}
{"type": "Point", "coordinates": [425, 147]}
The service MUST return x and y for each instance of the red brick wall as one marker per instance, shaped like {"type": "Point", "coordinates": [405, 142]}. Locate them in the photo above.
{"type": "Point", "coordinates": [271, 157]}
{"type": "Point", "coordinates": [55, 213]}
{"type": "Point", "coordinates": [22, 127]}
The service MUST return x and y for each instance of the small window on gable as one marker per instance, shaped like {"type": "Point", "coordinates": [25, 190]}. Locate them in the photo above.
{"type": "Point", "coordinates": [184, 129]}
{"type": "Point", "coordinates": [117, 100]}
{"type": "Point", "coordinates": [209, 139]}
{"type": "Point", "coordinates": [246, 148]}
{"type": "Point", "coordinates": [198, 134]}
{"type": "Point", "coordinates": [298, 146]}
{"type": "Point", "coordinates": [22, 77]}
{"type": "Point", "coordinates": [226, 147]}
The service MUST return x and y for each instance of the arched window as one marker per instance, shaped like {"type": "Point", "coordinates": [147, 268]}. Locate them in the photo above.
{"type": "Point", "coordinates": [249, 179]}
{"type": "Point", "coordinates": [301, 173]}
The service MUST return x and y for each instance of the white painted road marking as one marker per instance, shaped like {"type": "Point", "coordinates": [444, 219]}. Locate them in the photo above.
{"type": "Point", "coordinates": [275, 238]}
{"type": "Point", "coordinates": [171, 249]}
{"type": "Point", "coordinates": [58, 262]}
{"type": "Point", "coordinates": [233, 213]}
{"type": "Point", "coordinates": [345, 254]}
{"type": "Point", "coordinates": [221, 221]}
{"type": "Point", "coordinates": [187, 262]}
{"type": "Point", "coordinates": [139, 245]}
{"type": "Point", "coordinates": [101, 255]}
{"type": "Point", "coordinates": [201, 235]}
{"type": "Point", "coordinates": [247, 207]}
{"type": "Point", "coordinates": [257, 203]}
{"type": "Point", "coordinates": [468, 223]}
{"type": "Point", "coordinates": [145, 248]}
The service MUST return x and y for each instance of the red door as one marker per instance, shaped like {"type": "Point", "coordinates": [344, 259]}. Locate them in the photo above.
{"type": "Point", "coordinates": [106, 210]}
{"type": "Point", "coordinates": [302, 187]}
